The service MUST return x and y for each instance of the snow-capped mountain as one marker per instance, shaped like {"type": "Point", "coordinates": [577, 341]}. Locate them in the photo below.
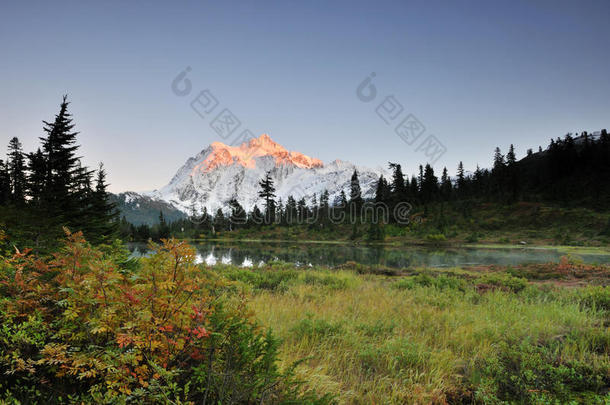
{"type": "Point", "coordinates": [220, 173]}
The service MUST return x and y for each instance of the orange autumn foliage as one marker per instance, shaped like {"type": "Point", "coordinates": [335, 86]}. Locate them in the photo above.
{"type": "Point", "coordinates": [155, 316]}
{"type": "Point", "coordinates": [90, 325]}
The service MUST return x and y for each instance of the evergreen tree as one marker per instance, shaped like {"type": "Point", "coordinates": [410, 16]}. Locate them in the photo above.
{"type": "Point", "coordinates": [461, 182]}
{"type": "Point", "coordinates": [302, 210]}
{"type": "Point", "coordinates": [219, 221]}
{"type": "Point", "coordinates": [477, 180]}
{"type": "Point", "coordinates": [355, 195]}
{"type": "Point", "coordinates": [291, 210]}
{"type": "Point", "coordinates": [83, 217]}
{"type": "Point", "coordinates": [314, 207]}
{"type": "Point", "coordinates": [398, 183]}
{"type": "Point", "coordinates": [324, 216]}
{"type": "Point", "coordinates": [512, 173]}
{"type": "Point", "coordinates": [414, 188]}
{"type": "Point", "coordinates": [144, 233]}
{"type": "Point", "coordinates": [381, 190]}
{"type": "Point", "coordinates": [59, 148]}
{"type": "Point", "coordinates": [238, 216]}
{"type": "Point", "coordinates": [499, 163]}
{"type": "Point", "coordinates": [267, 192]}
{"type": "Point", "coordinates": [446, 186]}
{"type": "Point", "coordinates": [16, 171]}
{"type": "Point", "coordinates": [5, 184]}
{"type": "Point", "coordinates": [429, 184]}
{"type": "Point", "coordinates": [279, 212]}
{"type": "Point", "coordinates": [205, 220]}
{"type": "Point", "coordinates": [163, 228]}
{"type": "Point", "coordinates": [255, 218]}
{"type": "Point", "coordinates": [36, 176]}
{"type": "Point", "coordinates": [104, 219]}
{"type": "Point", "coordinates": [498, 173]}
{"type": "Point", "coordinates": [343, 200]}
{"type": "Point", "coordinates": [511, 159]}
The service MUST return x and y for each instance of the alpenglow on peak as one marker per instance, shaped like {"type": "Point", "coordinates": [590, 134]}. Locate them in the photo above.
{"type": "Point", "coordinates": [220, 173]}
{"type": "Point", "coordinates": [245, 155]}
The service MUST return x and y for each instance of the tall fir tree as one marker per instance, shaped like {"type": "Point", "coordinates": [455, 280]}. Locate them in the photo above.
{"type": "Point", "coordinates": [324, 216]}
{"type": "Point", "coordinates": [381, 192]}
{"type": "Point", "coordinates": [499, 162]}
{"type": "Point", "coordinates": [355, 195]}
{"type": "Point", "coordinates": [267, 192]}
{"type": "Point", "coordinates": [302, 209]}
{"type": "Point", "coordinates": [429, 188]}
{"type": "Point", "coordinates": [16, 171]}
{"type": "Point", "coordinates": [238, 216]}
{"type": "Point", "coordinates": [83, 216]}
{"type": "Point", "coordinates": [59, 148]}
{"type": "Point", "coordinates": [104, 216]}
{"type": "Point", "coordinates": [398, 187]}
{"type": "Point", "coordinates": [163, 231]}
{"type": "Point", "coordinates": [219, 221]}
{"type": "Point", "coordinates": [342, 199]}
{"type": "Point", "coordinates": [512, 173]}
{"type": "Point", "coordinates": [36, 176]}
{"type": "Point", "coordinates": [414, 189]}
{"type": "Point", "coordinates": [255, 219]}
{"type": "Point", "coordinates": [461, 179]}
{"type": "Point", "coordinates": [314, 204]}
{"type": "Point", "coordinates": [5, 184]}
{"type": "Point", "coordinates": [279, 212]}
{"type": "Point", "coordinates": [446, 186]}
{"type": "Point", "coordinates": [291, 210]}
{"type": "Point", "coordinates": [498, 174]}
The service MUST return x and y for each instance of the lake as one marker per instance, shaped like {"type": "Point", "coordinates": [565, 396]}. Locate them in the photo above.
{"type": "Point", "coordinates": [327, 254]}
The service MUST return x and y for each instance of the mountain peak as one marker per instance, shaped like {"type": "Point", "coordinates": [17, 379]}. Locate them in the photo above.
{"type": "Point", "coordinates": [265, 138]}
{"type": "Point", "coordinates": [245, 155]}
{"type": "Point", "coordinates": [220, 173]}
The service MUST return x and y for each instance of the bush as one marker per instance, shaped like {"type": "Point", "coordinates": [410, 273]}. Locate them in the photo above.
{"type": "Point", "coordinates": [436, 238]}
{"type": "Point", "coordinates": [597, 297]}
{"type": "Point", "coordinates": [526, 373]}
{"type": "Point", "coordinates": [84, 325]}
{"type": "Point", "coordinates": [502, 281]}
{"type": "Point", "coordinates": [263, 279]}
{"type": "Point", "coordinates": [472, 238]}
{"type": "Point", "coordinates": [424, 280]}
{"type": "Point", "coordinates": [330, 281]}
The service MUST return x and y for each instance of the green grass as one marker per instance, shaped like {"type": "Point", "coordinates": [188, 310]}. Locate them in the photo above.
{"type": "Point", "coordinates": [455, 335]}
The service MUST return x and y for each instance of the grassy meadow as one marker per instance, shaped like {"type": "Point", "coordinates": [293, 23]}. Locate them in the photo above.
{"type": "Point", "coordinates": [530, 334]}
{"type": "Point", "coordinates": [94, 325]}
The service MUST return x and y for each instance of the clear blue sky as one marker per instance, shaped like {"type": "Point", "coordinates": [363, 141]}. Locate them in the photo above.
{"type": "Point", "coordinates": [477, 74]}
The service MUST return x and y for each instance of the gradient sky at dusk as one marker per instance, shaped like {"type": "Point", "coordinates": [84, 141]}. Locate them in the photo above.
{"type": "Point", "coordinates": [477, 74]}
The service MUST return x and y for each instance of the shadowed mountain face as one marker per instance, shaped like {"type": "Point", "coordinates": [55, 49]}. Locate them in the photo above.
{"type": "Point", "coordinates": [139, 209]}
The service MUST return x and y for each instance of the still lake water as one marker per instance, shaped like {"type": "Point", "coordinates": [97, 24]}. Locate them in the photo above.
{"type": "Point", "coordinates": [307, 254]}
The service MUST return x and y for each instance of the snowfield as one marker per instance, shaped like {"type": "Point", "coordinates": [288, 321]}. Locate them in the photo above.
{"type": "Point", "coordinates": [220, 173]}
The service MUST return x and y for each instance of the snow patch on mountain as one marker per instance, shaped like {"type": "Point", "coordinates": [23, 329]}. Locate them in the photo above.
{"type": "Point", "coordinates": [220, 173]}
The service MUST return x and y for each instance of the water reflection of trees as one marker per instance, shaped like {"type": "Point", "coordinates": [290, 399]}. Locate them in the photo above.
{"type": "Point", "coordinates": [323, 255]}
{"type": "Point", "coordinates": [336, 254]}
